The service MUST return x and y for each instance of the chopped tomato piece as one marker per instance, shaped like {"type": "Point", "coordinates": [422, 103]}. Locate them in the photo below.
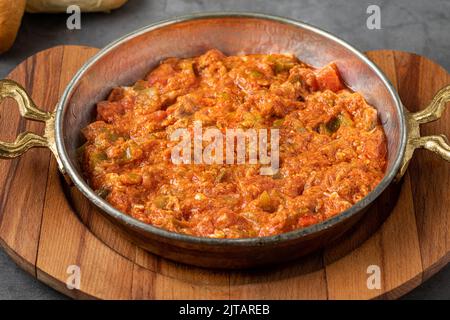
{"type": "Point", "coordinates": [307, 220]}
{"type": "Point", "coordinates": [107, 110]}
{"type": "Point", "coordinates": [328, 78]}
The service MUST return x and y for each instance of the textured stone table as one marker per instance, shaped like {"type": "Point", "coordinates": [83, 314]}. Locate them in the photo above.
{"type": "Point", "coordinates": [411, 25]}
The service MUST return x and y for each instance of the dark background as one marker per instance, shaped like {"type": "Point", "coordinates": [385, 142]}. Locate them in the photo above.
{"type": "Point", "coordinates": [417, 26]}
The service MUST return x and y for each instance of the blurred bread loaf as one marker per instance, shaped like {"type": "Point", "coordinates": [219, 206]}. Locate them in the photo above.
{"type": "Point", "coordinates": [11, 12]}
{"type": "Point", "coordinates": [54, 6]}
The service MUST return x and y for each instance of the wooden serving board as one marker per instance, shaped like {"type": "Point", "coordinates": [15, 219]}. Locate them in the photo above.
{"type": "Point", "coordinates": [44, 233]}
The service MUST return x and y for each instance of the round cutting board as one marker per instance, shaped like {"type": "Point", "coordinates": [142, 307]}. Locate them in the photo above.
{"type": "Point", "coordinates": [58, 237]}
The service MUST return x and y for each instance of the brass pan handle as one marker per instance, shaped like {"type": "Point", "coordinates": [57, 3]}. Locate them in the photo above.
{"type": "Point", "coordinates": [28, 110]}
{"type": "Point", "coordinates": [436, 143]}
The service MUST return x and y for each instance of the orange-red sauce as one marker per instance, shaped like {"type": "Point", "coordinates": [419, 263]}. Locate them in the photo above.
{"type": "Point", "coordinates": [332, 147]}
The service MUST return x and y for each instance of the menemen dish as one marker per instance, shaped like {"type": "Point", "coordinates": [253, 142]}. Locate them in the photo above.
{"type": "Point", "coordinates": [332, 149]}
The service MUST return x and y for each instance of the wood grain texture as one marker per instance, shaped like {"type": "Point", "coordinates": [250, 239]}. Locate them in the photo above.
{"type": "Point", "coordinates": [21, 201]}
{"type": "Point", "coordinates": [47, 226]}
{"type": "Point", "coordinates": [421, 78]}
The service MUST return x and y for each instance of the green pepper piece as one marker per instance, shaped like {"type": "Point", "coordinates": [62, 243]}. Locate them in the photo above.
{"type": "Point", "coordinates": [103, 193]}
{"type": "Point", "coordinates": [333, 125]}
{"type": "Point", "coordinates": [161, 202]}
{"type": "Point", "coordinates": [278, 123]}
{"type": "Point", "coordinates": [345, 120]}
{"type": "Point", "coordinates": [221, 175]}
{"type": "Point", "coordinates": [140, 85]}
{"type": "Point", "coordinates": [265, 202]}
{"type": "Point", "coordinates": [256, 74]}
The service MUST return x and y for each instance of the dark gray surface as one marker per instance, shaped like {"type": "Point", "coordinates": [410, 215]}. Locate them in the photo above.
{"type": "Point", "coordinates": [411, 25]}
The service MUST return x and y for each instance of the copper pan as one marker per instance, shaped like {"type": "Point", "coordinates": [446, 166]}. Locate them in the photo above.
{"type": "Point", "coordinates": [132, 56]}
